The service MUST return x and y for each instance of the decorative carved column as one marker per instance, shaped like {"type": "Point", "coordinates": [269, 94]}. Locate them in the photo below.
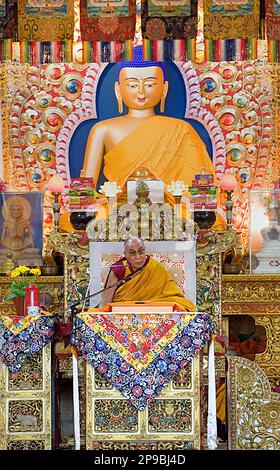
{"type": "Point", "coordinates": [259, 297]}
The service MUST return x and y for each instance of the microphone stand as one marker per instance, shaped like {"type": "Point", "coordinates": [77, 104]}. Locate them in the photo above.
{"type": "Point", "coordinates": [74, 305]}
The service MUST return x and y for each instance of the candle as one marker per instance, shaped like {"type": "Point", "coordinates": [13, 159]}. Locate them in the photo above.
{"type": "Point", "coordinates": [56, 184]}
{"type": "Point", "coordinates": [228, 182]}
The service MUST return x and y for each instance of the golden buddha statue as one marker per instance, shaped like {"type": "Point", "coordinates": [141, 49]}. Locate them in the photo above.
{"type": "Point", "coordinates": [168, 148]}
{"type": "Point", "coordinates": [16, 236]}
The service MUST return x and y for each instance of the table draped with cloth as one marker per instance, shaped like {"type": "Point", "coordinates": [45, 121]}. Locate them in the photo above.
{"type": "Point", "coordinates": [23, 337]}
{"type": "Point", "coordinates": [139, 353]}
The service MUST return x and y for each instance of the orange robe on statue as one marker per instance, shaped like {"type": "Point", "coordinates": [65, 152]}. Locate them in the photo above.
{"type": "Point", "coordinates": [169, 148]}
{"type": "Point", "coordinates": [153, 283]}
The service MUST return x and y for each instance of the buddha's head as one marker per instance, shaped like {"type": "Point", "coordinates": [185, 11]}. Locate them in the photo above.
{"type": "Point", "coordinates": [15, 208]}
{"type": "Point", "coordinates": [141, 84]}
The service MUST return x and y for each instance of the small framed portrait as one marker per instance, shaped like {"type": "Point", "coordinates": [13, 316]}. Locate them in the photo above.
{"type": "Point", "coordinates": [21, 228]}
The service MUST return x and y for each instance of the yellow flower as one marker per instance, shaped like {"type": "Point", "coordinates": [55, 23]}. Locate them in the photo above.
{"type": "Point", "coordinates": [15, 273]}
{"type": "Point", "coordinates": [17, 287]}
{"type": "Point", "coordinates": [35, 271]}
{"type": "Point", "coordinates": [23, 269]}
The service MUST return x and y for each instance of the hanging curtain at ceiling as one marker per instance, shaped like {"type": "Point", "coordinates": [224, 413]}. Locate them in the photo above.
{"type": "Point", "coordinates": [8, 28]}
{"type": "Point", "coordinates": [231, 29]}
{"type": "Point", "coordinates": [272, 18]}
{"type": "Point", "coordinates": [45, 30]}
{"type": "Point", "coordinates": [107, 30]}
{"type": "Point", "coordinates": [169, 29]}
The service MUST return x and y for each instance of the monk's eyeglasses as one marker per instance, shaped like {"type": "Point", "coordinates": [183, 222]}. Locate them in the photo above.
{"type": "Point", "coordinates": [140, 252]}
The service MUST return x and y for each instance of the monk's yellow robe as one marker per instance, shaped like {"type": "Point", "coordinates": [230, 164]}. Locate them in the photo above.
{"type": "Point", "coordinates": [221, 403]}
{"type": "Point", "coordinates": [153, 283]}
{"type": "Point", "coordinates": [169, 148]}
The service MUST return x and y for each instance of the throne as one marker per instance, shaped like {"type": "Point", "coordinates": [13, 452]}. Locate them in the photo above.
{"type": "Point", "coordinates": [173, 419]}
{"type": "Point", "coordinates": [179, 257]}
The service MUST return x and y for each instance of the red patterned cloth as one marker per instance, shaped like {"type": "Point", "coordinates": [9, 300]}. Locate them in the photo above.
{"type": "Point", "coordinates": [100, 25]}
{"type": "Point", "coordinates": [272, 15]}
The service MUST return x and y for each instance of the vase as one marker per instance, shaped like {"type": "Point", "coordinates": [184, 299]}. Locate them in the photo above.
{"type": "Point", "coordinates": [79, 220]}
{"type": "Point", "coordinates": [19, 305]}
{"type": "Point", "coordinates": [204, 219]}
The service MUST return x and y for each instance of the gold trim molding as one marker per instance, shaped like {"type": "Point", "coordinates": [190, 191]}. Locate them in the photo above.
{"type": "Point", "coordinates": [253, 409]}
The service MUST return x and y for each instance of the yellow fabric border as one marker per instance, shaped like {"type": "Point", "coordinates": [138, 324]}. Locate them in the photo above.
{"type": "Point", "coordinates": [23, 323]}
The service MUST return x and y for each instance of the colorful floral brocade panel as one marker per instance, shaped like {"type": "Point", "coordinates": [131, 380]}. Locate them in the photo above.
{"type": "Point", "coordinates": [51, 20]}
{"type": "Point", "coordinates": [272, 18]}
{"type": "Point", "coordinates": [140, 353]}
{"type": "Point", "coordinates": [55, 8]}
{"type": "Point", "coordinates": [98, 8]}
{"type": "Point", "coordinates": [169, 29]}
{"type": "Point", "coordinates": [107, 29]}
{"type": "Point", "coordinates": [272, 11]}
{"type": "Point", "coordinates": [230, 20]}
{"type": "Point", "coordinates": [21, 338]}
{"type": "Point", "coordinates": [8, 28]}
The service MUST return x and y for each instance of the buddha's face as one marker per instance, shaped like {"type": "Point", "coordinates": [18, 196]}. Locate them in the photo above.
{"type": "Point", "coordinates": [141, 88]}
{"type": "Point", "coordinates": [16, 210]}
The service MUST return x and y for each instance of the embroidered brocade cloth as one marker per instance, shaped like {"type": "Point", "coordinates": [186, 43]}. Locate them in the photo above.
{"type": "Point", "coordinates": [272, 20]}
{"type": "Point", "coordinates": [8, 28]}
{"type": "Point", "coordinates": [140, 353]}
{"type": "Point", "coordinates": [107, 21]}
{"type": "Point", "coordinates": [231, 20]}
{"type": "Point", "coordinates": [175, 19]}
{"type": "Point", "coordinates": [45, 20]}
{"type": "Point", "coordinates": [23, 337]}
{"type": "Point", "coordinates": [272, 11]}
{"type": "Point", "coordinates": [169, 29]}
{"type": "Point", "coordinates": [8, 19]}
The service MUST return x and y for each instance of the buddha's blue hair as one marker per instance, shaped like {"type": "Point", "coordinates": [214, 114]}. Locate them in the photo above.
{"type": "Point", "coordinates": [139, 62]}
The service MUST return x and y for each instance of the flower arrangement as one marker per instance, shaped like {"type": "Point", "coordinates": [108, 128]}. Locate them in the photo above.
{"type": "Point", "coordinates": [17, 287]}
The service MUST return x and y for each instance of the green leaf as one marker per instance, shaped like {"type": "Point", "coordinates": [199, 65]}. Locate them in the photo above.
{"type": "Point", "coordinates": [11, 296]}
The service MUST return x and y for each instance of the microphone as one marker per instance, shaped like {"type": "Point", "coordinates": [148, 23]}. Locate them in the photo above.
{"type": "Point", "coordinates": [125, 279]}
{"type": "Point", "coordinates": [129, 277]}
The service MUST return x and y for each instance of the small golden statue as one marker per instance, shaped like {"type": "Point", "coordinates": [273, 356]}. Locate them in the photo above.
{"type": "Point", "coordinates": [142, 193]}
{"type": "Point", "coordinates": [9, 264]}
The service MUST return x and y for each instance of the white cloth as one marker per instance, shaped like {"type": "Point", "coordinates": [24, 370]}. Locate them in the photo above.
{"type": "Point", "coordinates": [211, 418]}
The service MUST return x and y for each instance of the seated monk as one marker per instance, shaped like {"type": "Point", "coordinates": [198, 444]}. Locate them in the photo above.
{"type": "Point", "coordinates": [168, 148]}
{"type": "Point", "coordinates": [152, 283]}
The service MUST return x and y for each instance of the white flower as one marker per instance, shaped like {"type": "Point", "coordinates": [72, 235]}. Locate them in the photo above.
{"type": "Point", "coordinates": [110, 189]}
{"type": "Point", "coordinates": [177, 188]}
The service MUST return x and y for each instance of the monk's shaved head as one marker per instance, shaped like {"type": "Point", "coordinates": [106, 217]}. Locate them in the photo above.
{"type": "Point", "coordinates": [135, 252]}
{"type": "Point", "coordinates": [129, 241]}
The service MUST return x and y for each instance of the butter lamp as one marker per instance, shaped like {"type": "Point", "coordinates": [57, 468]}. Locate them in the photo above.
{"type": "Point", "coordinates": [56, 186]}
{"type": "Point", "coordinates": [228, 184]}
